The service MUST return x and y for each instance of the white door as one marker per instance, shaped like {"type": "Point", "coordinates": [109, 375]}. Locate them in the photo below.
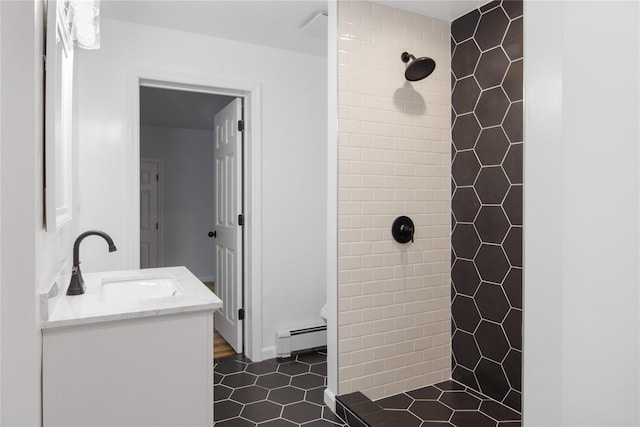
{"type": "Point", "coordinates": [228, 205]}
{"type": "Point", "coordinates": [149, 232]}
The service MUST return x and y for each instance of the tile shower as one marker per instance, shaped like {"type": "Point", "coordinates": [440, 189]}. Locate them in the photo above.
{"type": "Point", "coordinates": [448, 305]}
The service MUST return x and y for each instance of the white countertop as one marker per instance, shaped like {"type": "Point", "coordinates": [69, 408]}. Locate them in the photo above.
{"type": "Point", "coordinates": [89, 308]}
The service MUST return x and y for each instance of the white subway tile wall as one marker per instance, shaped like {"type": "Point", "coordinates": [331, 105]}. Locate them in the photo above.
{"type": "Point", "coordinates": [394, 305]}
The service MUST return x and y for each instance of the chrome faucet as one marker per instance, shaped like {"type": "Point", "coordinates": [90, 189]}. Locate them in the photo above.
{"type": "Point", "coordinates": [76, 286]}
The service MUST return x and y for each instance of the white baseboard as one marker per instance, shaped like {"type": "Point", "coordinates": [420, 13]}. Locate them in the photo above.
{"type": "Point", "coordinates": [269, 352]}
{"type": "Point", "coordinates": [330, 399]}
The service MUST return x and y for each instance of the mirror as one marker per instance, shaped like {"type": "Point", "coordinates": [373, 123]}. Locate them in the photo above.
{"type": "Point", "coordinates": [58, 113]}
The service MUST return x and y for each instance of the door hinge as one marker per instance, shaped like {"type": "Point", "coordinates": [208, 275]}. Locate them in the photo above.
{"type": "Point", "coordinates": [241, 314]}
{"type": "Point", "coordinates": [240, 125]}
{"type": "Point", "coordinates": [241, 219]}
{"type": "Point", "coordinates": [157, 227]}
{"type": "Point", "coordinates": [157, 177]}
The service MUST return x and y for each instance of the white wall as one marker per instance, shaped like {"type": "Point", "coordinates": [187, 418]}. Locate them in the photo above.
{"type": "Point", "coordinates": [30, 258]}
{"type": "Point", "coordinates": [581, 325]}
{"type": "Point", "coordinates": [186, 182]}
{"type": "Point", "coordinates": [293, 154]}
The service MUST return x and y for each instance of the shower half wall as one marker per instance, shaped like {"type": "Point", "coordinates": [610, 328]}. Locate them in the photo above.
{"type": "Point", "coordinates": [394, 310]}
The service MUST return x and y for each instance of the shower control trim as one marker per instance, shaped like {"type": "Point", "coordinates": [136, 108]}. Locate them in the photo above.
{"type": "Point", "coordinates": [403, 229]}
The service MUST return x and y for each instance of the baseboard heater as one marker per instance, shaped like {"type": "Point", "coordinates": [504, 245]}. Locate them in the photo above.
{"type": "Point", "coordinates": [288, 342]}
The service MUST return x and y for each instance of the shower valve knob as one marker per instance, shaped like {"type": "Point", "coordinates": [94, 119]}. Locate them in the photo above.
{"type": "Point", "coordinates": [403, 229]}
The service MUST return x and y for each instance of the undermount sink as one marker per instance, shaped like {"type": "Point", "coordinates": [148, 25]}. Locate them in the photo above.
{"type": "Point", "coordinates": [138, 287]}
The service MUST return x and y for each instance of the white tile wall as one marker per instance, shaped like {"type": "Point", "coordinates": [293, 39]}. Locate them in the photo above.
{"type": "Point", "coordinates": [394, 159]}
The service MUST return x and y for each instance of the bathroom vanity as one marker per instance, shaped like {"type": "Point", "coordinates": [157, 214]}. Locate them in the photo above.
{"type": "Point", "coordinates": [135, 350]}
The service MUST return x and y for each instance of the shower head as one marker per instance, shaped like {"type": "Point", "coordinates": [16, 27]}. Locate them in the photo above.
{"type": "Point", "coordinates": [419, 68]}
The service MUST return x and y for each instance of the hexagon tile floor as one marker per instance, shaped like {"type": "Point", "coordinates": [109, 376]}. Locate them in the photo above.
{"type": "Point", "coordinates": [273, 393]}
{"type": "Point", "coordinates": [446, 404]}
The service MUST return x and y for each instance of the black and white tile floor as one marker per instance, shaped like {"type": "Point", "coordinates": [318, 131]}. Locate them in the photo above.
{"type": "Point", "coordinates": [272, 393]}
{"type": "Point", "coordinates": [290, 393]}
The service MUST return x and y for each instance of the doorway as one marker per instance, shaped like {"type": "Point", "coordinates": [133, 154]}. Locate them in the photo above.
{"type": "Point", "coordinates": [192, 194]}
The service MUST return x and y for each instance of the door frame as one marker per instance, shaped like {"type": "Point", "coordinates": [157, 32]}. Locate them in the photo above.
{"type": "Point", "coordinates": [157, 161]}
{"type": "Point", "coordinates": [251, 93]}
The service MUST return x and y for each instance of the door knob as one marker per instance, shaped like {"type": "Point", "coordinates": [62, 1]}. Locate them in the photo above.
{"type": "Point", "coordinates": [212, 234]}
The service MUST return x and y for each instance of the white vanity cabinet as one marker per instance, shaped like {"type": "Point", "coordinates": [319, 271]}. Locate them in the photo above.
{"type": "Point", "coordinates": [152, 367]}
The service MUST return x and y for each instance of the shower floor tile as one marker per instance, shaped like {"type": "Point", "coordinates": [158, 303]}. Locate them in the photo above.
{"type": "Point", "coordinates": [273, 393]}
{"type": "Point", "coordinates": [446, 404]}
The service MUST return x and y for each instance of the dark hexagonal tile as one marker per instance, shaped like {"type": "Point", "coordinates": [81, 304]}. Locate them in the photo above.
{"type": "Point", "coordinates": [459, 400]}
{"type": "Point", "coordinates": [465, 241]}
{"type": "Point", "coordinates": [449, 385]}
{"type": "Point", "coordinates": [279, 423]}
{"type": "Point", "coordinates": [513, 81]}
{"type": "Point", "coordinates": [330, 416]}
{"type": "Point", "coordinates": [430, 410]}
{"type": "Point", "coordinates": [492, 145]}
{"type": "Point", "coordinates": [293, 368]}
{"type": "Point", "coordinates": [226, 409]}
{"type": "Point", "coordinates": [492, 380]}
{"type": "Point", "coordinates": [514, 401]}
{"type": "Point", "coordinates": [512, 164]}
{"type": "Point", "coordinates": [217, 378]}
{"type": "Point", "coordinates": [512, 124]}
{"type": "Point", "coordinates": [312, 358]}
{"type": "Point", "coordinates": [491, 68]}
{"type": "Point", "coordinates": [513, 246]}
{"type": "Point", "coordinates": [230, 367]}
{"type": "Point", "coordinates": [465, 58]}
{"type": "Point", "coordinates": [491, 185]}
{"type": "Point", "coordinates": [274, 380]}
{"type": "Point", "coordinates": [261, 411]}
{"type": "Point", "coordinates": [260, 368]}
{"type": "Point", "coordinates": [465, 349]}
{"type": "Point", "coordinates": [492, 224]}
{"type": "Point", "coordinates": [399, 401]}
{"type": "Point", "coordinates": [235, 422]}
{"type": "Point", "coordinates": [307, 381]}
{"type": "Point", "coordinates": [499, 411]}
{"type": "Point", "coordinates": [513, 8]}
{"type": "Point", "coordinates": [407, 419]}
{"type": "Point", "coordinates": [465, 277]}
{"type": "Point", "coordinates": [512, 42]}
{"type": "Point", "coordinates": [491, 107]}
{"type": "Point", "coordinates": [425, 393]}
{"type": "Point", "coordinates": [465, 168]}
{"type": "Point", "coordinates": [513, 327]}
{"type": "Point", "coordinates": [491, 28]}
{"type": "Point", "coordinates": [315, 395]}
{"type": "Point", "coordinates": [465, 204]}
{"type": "Point", "coordinates": [465, 313]}
{"type": "Point", "coordinates": [488, 6]}
{"type": "Point", "coordinates": [512, 286]}
{"type": "Point", "coordinates": [512, 366]}
{"type": "Point", "coordinates": [491, 263]}
{"type": "Point", "coordinates": [512, 205]}
{"type": "Point", "coordinates": [239, 380]}
{"type": "Point", "coordinates": [249, 394]}
{"type": "Point", "coordinates": [302, 412]}
{"type": "Point", "coordinates": [491, 340]}
{"type": "Point", "coordinates": [465, 132]}
{"type": "Point", "coordinates": [319, 368]}
{"type": "Point", "coordinates": [472, 419]}
{"type": "Point", "coordinates": [465, 376]}
{"type": "Point", "coordinates": [464, 27]}
{"type": "Point", "coordinates": [492, 302]}
{"type": "Point", "coordinates": [286, 395]}
{"type": "Point", "coordinates": [221, 392]}
{"type": "Point", "coordinates": [465, 95]}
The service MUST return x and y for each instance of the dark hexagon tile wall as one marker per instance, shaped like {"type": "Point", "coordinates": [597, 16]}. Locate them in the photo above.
{"type": "Point", "coordinates": [486, 275]}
